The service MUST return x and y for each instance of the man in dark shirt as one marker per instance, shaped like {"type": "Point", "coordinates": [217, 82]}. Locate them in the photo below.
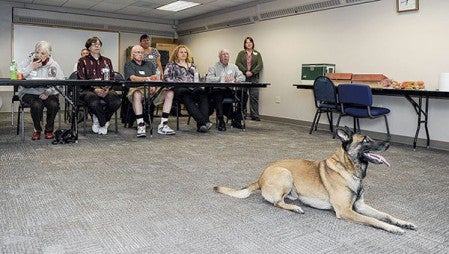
{"type": "Point", "coordinates": [139, 70]}
{"type": "Point", "coordinates": [101, 100]}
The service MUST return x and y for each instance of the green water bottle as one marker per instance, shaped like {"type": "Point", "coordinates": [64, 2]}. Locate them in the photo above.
{"type": "Point", "coordinates": [13, 70]}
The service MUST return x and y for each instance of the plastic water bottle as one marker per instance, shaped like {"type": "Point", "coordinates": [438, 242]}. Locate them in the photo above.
{"type": "Point", "coordinates": [223, 77]}
{"type": "Point", "coordinates": [13, 70]}
{"type": "Point", "coordinates": [196, 77]}
{"type": "Point", "coordinates": [158, 74]}
{"type": "Point", "coordinates": [105, 71]}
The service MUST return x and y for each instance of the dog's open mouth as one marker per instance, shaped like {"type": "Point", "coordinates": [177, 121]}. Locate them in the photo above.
{"type": "Point", "coordinates": [376, 159]}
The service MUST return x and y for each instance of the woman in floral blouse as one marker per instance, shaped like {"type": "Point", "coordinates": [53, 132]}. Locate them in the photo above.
{"type": "Point", "coordinates": [181, 69]}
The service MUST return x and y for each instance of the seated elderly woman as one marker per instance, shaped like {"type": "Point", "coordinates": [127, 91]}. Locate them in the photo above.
{"type": "Point", "coordinates": [41, 65]}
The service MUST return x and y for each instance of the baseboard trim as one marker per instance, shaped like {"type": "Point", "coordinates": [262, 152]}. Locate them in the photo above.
{"type": "Point", "coordinates": [404, 140]}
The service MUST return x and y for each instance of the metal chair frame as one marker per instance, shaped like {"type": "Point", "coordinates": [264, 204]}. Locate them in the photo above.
{"type": "Point", "coordinates": [325, 95]}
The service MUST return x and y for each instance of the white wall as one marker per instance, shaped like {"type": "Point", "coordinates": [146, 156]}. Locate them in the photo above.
{"type": "Point", "coordinates": [366, 38]}
{"type": "Point", "coordinates": [5, 38]}
{"type": "Point", "coordinates": [6, 50]}
{"type": "Point", "coordinates": [66, 44]}
{"type": "Point", "coordinates": [126, 40]}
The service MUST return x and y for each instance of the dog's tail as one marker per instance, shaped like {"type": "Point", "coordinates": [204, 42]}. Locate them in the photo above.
{"type": "Point", "coordinates": [242, 193]}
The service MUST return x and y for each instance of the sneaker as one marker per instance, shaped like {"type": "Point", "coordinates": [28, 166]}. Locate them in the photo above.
{"type": "Point", "coordinates": [141, 130]}
{"type": "Point", "coordinates": [36, 135]}
{"type": "Point", "coordinates": [202, 129]}
{"type": "Point", "coordinates": [95, 124]}
{"type": "Point", "coordinates": [164, 129]}
{"type": "Point", "coordinates": [209, 125]}
{"type": "Point", "coordinates": [49, 135]}
{"type": "Point", "coordinates": [103, 130]}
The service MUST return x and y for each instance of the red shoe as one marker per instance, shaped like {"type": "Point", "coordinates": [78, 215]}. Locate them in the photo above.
{"type": "Point", "coordinates": [36, 136]}
{"type": "Point", "coordinates": [49, 135]}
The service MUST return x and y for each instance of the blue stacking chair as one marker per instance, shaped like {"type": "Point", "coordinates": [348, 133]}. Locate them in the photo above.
{"type": "Point", "coordinates": [356, 100]}
{"type": "Point", "coordinates": [325, 94]}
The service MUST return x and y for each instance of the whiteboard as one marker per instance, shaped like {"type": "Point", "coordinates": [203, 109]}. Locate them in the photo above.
{"type": "Point", "coordinates": [66, 44]}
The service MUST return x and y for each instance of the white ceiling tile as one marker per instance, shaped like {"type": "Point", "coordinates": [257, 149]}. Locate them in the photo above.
{"type": "Point", "coordinates": [145, 4]}
{"type": "Point", "coordinates": [133, 10]}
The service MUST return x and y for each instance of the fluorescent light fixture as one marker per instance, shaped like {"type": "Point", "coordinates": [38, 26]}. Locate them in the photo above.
{"type": "Point", "coordinates": [177, 6]}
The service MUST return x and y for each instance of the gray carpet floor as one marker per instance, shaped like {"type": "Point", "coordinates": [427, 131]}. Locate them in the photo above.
{"type": "Point", "coordinates": [121, 194]}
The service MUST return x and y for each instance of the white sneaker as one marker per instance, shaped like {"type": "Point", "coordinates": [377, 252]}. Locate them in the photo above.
{"type": "Point", "coordinates": [141, 130]}
{"type": "Point", "coordinates": [209, 125]}
{"type": "Point", "coordinates": [95, 124]}
{"type": "Point", "coordinates": [104, 130]}
{"type": "Point", "coordinates": [164, 129]}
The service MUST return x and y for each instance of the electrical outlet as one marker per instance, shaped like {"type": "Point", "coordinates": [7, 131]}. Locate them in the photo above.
{"type": "Point", "coordinates": [277, 99]}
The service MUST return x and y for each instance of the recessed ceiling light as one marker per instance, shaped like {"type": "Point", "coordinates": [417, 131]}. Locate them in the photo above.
{"type": "Point", "coordinates": [177, 6]}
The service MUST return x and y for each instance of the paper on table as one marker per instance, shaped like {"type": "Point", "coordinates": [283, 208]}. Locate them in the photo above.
{"type": "Point", "coordinates": [443, 85]}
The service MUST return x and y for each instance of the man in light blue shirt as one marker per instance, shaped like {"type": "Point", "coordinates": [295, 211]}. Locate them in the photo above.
{"type": "Point", "coordinates": [224, 71]}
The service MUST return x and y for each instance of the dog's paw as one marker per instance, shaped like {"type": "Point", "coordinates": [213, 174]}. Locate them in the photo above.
{"type": "Point", "coordinates": [404, 224]}
{"type": "Point", "coordinates": [298, 210]}
{"type": "Point", "coordinates": [395, 230]}
{"type": "Point", "coordinates": [290, 207]}
{"type": "Point", "coordinates": [408, 225]}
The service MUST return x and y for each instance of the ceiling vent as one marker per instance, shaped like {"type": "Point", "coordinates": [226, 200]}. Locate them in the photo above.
{"type": "Point", "coordinates": [230, 23]}
{"type": "Point", "coordinates": [216, 26]}
{"type": "Point", "coordinates": [358, 1]}
{"type": "Point", "coordinates": [70, 20]}
{"type": "Point", "coordinates": [300, 9]}
{"type": "Point", "coordinates": [52, 22]}
{"type": "Point", "coordinates": [268, 14]}
{"type": "Point", "coordinates": [142, 30]}
{"type": "Point", "coordinates": [192, 31]}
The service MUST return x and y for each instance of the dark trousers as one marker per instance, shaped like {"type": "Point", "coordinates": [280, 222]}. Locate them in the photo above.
{"type": "Point", "coordinates": [217, 97]}
{"type": "Point", "coordinates": [37, 110]}
{"type": "Point", "coordinates": [253, 101]}
{"type": "Point", "coordinates": [196, 102]}
{"type": "Point", "coordinates": [103, 108]}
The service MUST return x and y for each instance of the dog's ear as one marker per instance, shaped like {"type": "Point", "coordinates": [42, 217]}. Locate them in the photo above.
{"type": "Point", "coordinates": [344, 134]}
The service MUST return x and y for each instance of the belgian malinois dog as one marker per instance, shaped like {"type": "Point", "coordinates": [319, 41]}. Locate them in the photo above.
{"type": "Point", "coordinates": [334, 183]}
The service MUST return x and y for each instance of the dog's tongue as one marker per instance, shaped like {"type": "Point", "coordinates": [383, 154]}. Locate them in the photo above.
{"type": "Point", "coordinates": [380, 159]}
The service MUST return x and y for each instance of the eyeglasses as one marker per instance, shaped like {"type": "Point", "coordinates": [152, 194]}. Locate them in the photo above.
{"type": "Point", "coordinates": [96, 44]}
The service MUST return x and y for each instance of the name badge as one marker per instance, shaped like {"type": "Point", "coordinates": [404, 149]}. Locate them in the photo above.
{"type": "Point", "coordinates": [141, 72]}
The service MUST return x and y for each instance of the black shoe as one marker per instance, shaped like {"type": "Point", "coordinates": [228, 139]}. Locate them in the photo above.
{"type": "Point", "coordinates": [221, 126]}
{"type": "Point", "coordinates": [237, 124]}
{"type": "Point", "coordinates": [255, 119]}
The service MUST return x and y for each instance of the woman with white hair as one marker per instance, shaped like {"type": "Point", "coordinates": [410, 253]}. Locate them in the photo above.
{"type": "Point", "coordinates": [41, 65]}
